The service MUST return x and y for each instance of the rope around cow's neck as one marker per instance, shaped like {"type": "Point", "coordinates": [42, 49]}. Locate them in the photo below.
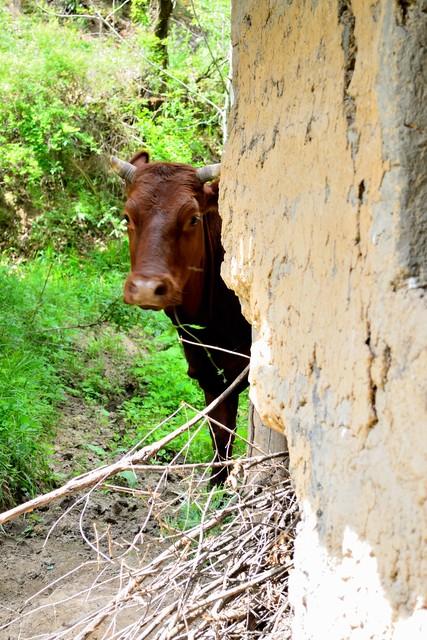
{"type": "Point", "coordinates": [198, 342]}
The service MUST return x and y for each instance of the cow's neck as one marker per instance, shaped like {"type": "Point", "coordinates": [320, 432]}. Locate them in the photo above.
{"type": "Point", "coordinates": [192, 306]}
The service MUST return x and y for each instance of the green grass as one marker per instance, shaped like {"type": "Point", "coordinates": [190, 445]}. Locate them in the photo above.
{"type": "Point", "coordinates": [49, 350]}
{"type": "Point", "coordinates": [38, 361]}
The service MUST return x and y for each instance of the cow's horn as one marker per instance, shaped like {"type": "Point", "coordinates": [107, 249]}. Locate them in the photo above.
{"type": "Point", "coordinates": [125, 170]}
{"type": "Point", "coordinates": [210, 172]}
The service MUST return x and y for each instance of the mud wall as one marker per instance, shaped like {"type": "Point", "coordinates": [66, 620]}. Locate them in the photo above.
{"type": "Point", "coordinates": [324, 194]}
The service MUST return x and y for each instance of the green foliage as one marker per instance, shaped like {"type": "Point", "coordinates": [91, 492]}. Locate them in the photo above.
{"type": "Point", "coordinates": [70, 98]}
{"type": "Point", "coordinates": [186, 122]}
{"type": "Point", "coordinates": [38, 362]}
{"type": "Point", "coordinates": [191, 513]}
{"type": "Point", "coordinates": [51, 122]}
{"type": "Point", "coordinates": [27, 392]}
{"type": "Point", "coordinates": [164, 387]}
{"type": "Point", "coordinates": [139, 12]}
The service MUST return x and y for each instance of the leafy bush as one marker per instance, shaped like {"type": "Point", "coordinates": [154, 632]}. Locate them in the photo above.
{"type": "Point", "coordinates": [51, 121]}
{"type": "Point", "coordinates": [70, 98]}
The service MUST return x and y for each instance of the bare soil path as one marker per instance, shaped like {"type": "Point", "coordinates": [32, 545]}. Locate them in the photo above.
{"type": "Point", "coordinates": [45, 558]}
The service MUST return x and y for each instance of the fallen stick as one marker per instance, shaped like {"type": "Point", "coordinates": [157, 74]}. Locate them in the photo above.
{"type": "Point", "coordinates": [173, 468]}
{"type": "Point", "coordinates": [100, 475]}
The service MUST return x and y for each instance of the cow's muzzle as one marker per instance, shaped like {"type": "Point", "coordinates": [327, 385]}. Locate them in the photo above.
{"type": "Point", "coordinates": [154, 292]}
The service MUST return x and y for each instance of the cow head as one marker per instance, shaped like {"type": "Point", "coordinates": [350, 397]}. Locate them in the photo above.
{"type": "Point", "coordinates": [164, 212]}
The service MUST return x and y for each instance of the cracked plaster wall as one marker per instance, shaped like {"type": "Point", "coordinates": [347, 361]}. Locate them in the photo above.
{"type": "Point", "coordinates": [323, 197]}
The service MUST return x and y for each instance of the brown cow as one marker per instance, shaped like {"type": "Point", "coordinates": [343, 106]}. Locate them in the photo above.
{"type": "Point", "coordinates": [176, 253]}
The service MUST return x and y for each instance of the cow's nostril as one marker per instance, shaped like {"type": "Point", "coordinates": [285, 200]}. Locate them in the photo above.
{"type": "Point", "coordinates": [160, 290]}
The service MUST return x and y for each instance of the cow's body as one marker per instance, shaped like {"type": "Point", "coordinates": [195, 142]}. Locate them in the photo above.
{"type": "Point", "coordinates": [176, 255]}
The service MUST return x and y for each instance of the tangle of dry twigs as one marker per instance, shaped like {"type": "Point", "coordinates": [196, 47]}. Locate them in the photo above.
{"type": "Point", "coordinates": [216, 566]}
{"type": "Point", "coordinates": [222, 577]}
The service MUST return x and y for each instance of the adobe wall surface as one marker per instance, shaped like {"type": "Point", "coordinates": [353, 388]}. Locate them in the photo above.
{"type": "Point", "coordinates": [323, 197]}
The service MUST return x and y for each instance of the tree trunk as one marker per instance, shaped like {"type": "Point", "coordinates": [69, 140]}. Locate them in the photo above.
{"type": "Point", "coordinates": [161, 11]}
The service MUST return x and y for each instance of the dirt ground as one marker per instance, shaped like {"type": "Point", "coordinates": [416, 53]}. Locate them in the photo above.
{"type": "Point", "coordinates": [56, 567]}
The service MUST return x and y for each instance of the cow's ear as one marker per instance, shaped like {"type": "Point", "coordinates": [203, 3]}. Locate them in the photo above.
{"type": "Point", "coordinates": [140, 158]}
{"type": "Point", "coordinates": [211, 196]}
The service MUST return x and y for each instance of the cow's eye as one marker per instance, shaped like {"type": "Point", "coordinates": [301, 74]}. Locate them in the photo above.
{"type": "Point", "coordinates": [126, 219]}
{"type": "Point", "coordinates": [194, 220]}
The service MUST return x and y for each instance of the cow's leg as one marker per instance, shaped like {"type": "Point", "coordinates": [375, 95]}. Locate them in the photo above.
{"type": "Point", "coordinates": [225, 413]}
